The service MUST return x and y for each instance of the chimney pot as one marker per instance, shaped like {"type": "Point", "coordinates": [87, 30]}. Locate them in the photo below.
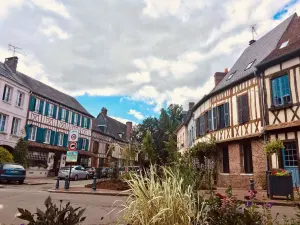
{"type": "Point", "coordinates": [191, 105]}
{"type": "Point", "coordinates": [128, 129]}
{"type": "Point", "coordinates": [104, 111]}
{"type": "Point", "coordinates": [12, 63]}
{"type": "Point", "coordinates": [226, 70]}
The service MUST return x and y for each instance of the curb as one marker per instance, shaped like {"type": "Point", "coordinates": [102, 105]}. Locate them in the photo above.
{"type": "Point", "coordinates": [90, 193]}
{"type": "Point", "coordinates": [288, 204]}
{"type": "Point", "coordinates": [36, 183]}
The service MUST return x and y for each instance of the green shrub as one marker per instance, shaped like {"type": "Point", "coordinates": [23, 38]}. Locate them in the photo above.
{"type": "Point", "coordinates": [53, 215]}
{"type": "Point", "coordinates": [5, 156]}
{"type": "Point", "coordinates": [20, 152]}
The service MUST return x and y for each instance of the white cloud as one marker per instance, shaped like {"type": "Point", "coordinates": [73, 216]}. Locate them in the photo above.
{"type": "Point", "coordinates": [139, 77]}
{"type": "Point", "coordinates": [136, 114]}
{"type": "Point", "coordinates": [51, 29]}
{"type": "Point", "coordinates": [122, 120]}
{"type": "Point", "coordinates": [6, 6]}
{"type": "Point", "coordinates": [55, 6]}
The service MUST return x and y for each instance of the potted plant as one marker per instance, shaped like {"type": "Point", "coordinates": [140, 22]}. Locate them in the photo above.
{"type": "Point", "coordinates": [280, 183]}
{"type": "Point", "coordinates": [274, 147]}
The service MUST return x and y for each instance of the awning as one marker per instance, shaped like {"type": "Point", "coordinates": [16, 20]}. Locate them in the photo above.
{"type": "Point", "coordinates": [86, 153]}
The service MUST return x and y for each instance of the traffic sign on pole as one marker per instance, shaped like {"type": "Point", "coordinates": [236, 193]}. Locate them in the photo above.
{"type": "Point", "coordinates": [73, 135]}
{"type": "Point", "coordinates": [72, 146]}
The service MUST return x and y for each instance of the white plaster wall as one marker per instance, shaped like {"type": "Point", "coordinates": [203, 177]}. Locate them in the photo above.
{"type": "Point", "coordinates": [290, 63]}
{"type": "Point", "coordinates": [272, 69]}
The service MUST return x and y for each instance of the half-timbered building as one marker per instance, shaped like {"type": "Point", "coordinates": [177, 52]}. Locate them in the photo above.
{"type": "Point", "coordinates": [51, 115]}
{"type": "Point", "coordinates": [232, 114]}
{"type": "Point", "coordinates": [108, 131]}
{"type": "Point", "coordinates": [281, 70]}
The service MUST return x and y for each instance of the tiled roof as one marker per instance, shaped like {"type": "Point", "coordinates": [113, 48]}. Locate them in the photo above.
{"type": "Point", "coordinates": [113, 127]}
{"type": "Point", "coordinates": [292, 35]}
{"type": "Point", "coordinates": [255, 52]}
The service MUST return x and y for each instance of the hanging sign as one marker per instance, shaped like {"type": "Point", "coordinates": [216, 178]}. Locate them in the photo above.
{"type": "Point", "coordinates": [72, 156]}
{"type": "Point", "coordinates": [72, 146]}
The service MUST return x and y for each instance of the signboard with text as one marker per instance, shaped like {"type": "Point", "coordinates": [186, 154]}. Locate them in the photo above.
{"type": "Point", "coordinates": [71, 156]}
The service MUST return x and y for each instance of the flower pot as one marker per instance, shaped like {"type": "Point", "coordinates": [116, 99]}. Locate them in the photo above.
{"type": "Point", "coordinates": [280, 186]}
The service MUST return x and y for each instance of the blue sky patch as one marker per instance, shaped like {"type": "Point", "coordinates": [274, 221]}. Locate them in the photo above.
{"type": "Point", "coordinates": [284, 10]}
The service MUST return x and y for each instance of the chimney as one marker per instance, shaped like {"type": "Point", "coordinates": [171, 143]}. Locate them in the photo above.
{"type": "Point", "coordinates": [128, 129]}
{"type": "Point", "coordinates": [191, 105]}
{"type": "Point", "coordinates": [251, 42]}
{"type": "Point", "coordinates": [226, 70]}
{"type": "Point", "coordinates": [219, 76]}
{"type": "Point", "coordinates": [12, 63]}
{"type": "Point", "coordinates": [104, 111]}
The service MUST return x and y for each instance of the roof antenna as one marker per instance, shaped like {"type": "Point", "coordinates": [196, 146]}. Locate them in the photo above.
{"type": "Point", "coordinates": [13, 48]}
{"type": "Point", "coordinates": [253, 32]}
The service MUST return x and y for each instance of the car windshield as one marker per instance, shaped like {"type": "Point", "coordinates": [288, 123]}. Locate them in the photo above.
{"type": "Point", "coordinates": [66, 168]}
{"type": "Point", "coordinates": [13, 166]}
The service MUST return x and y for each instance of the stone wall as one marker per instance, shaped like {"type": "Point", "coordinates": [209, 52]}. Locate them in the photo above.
{"type": "Point", "coordinates": [240, 180]}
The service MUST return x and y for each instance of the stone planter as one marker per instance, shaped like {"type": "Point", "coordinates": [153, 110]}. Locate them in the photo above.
{"type": "Point", "coordinates": [280, 186]}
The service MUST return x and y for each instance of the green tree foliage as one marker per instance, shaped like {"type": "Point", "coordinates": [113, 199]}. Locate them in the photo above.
{"type": "Point", "coordinates": [147, 145]}
{"type": "Point", "coordinates": [20, 152]}
{"type": "Point", "coordinates": [5, 156]}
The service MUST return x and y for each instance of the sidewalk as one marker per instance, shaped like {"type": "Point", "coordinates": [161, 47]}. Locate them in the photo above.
{"type": "Point", "coordinates": [89, 191]}
{"type": "Point", "coordinates": [39, 181]}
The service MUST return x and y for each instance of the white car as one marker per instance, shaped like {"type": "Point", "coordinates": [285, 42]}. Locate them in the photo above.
{"type": "Point", "coordinates": [77, 172]}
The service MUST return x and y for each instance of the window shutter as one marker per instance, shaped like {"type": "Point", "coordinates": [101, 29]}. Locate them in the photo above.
{"type": "Point", "coordinates": [78, 121]}
{"type": "Point", "coordinates": [27, 130]}
{"type": "Point", "coordinates": [52, 138]}
{"type": "Point", "coordinates": [39, 135]}
{"type": "Point", "coordinates": [88, 123]}
{"type": "Point", "coordinates": [65, 140]}
{"type": "Point", "coordinates": [72, 119]}
{"type": "Point", "coordinates": [214, 122]}
{"type": "Point", "coordinates": [54, 111]}
{"type": "Point", "coordinates": [47, 109]}
{"type": "Point", "coordinates": [79, 143]}
{"type": "Point", "coordinates": [209, 120]}
{"type": "Point", "coordinates": [59, 113]}
{"type": "Point", "coordinates": [67, 116]}
{"type": "Point", "coordinates": [86, 144]}
{"type": "Point", "coordinates": [32, 103]}
{"type": "Point", "coordinates": [226, 114]}
{"type": "Point", "coordinates": [240, 110]}
{"type": "Point", "coordinates": [41, 107]}
{"type": "Point", "coordinates": [245, 106]}
{"type": "Point", "coordinates": [197, 127]}
{"type": "Point", "coordinates": [56, 138]}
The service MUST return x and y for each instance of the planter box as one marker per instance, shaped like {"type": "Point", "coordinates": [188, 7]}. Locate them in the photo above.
{"type": "Point", "coordinates": [280, 186]}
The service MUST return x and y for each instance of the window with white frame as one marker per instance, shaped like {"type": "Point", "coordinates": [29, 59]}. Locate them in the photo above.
{"type": "Point", "coordinates": [3, 119]}
{"type": "Point", "coordinates": [60, 139]}
{"type": "Point", "coordinates": [15, 126]}
{"type": "Point", "coordinates": [75, 118]}
{"type": "Point", "coordinates": [20, 99]}
{"type": "Point", "coordinates": [32, 133]}
{"type": "Point", "coordinates": [63, 114]}
{"type": "Point", "coordinates": [85, 122]}
{"type": "Point", "coordinates": [37, 105]}
{"type": "Point", "coordinates": [50, 110]}
{"type": "Point", "coordinates": [7, 93]}
{"type": "Point", "coordinates": [83, 144]}
{"type": "Point", "coordinates": [47, 136]}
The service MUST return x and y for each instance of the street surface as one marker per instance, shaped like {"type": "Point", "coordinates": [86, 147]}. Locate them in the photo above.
{"type": "Point", "coordinates": [97, 206]}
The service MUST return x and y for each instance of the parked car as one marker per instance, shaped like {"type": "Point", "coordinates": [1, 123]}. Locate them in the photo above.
{"type": "Point", "coordinates": [12, 172]}
{"type": "Point", "coordinates": [77, 172]}
{"type": "Point", "coordinates": [91, 171]}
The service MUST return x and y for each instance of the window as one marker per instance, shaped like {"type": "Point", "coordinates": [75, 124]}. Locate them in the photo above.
{"type": "Point", "coordinates": [7, 93]}
{"type": "Point", "coordinates": [83, 144]}
{"type": "Point", "coordinates": [63, 114]}
{"type": "Point", "coordinates": [50, 110]}
{"type": "Point", "coordinates": [32, 133]}
{"type": "Point", "coordinates": [246, 158]}
{"type": "Point", "coordinates": [230, 76]}
{"type": "Point", "coordinates": [281, 94]}
{"type": "Point", "coordinates": [20, 99]}
{"type": "Point", "coordinates": [243, 108]}
{"type": "Point", "coordinates": [47, 136]}
{"type": "Point", "coordinates": [249, 65]}
{"type": "Point", "coordinates": [75, 118]}
{"type": "Point", "coordinates": [202, 125]}
{"type": "Point", "coordinates": [60, 139]}
{"type": "Point", "coordinates": [85, 122]}
{"type": "Point", "coordinates": [209, 120]}
{"type": "Point", "coordinates": [284, 44]}
{"type": "Point", "coordinates": [223, 115]}
{"type": "Point", "coordinates": [290, 157]}
{"type": "Point", "coordinates": [214, 119]}
{"type": "Point", "coordinates": [37, 105]}
{"type": "Point", "coordinates": [225, 160]}
{"type": "Point", "coordinates": [15, 126]}
{"type": "Point", "coordinates": [3, 119]}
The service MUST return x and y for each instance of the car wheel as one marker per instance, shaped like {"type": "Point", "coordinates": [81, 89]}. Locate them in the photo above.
{"type": "Point", "coordinates": [87, 177]}
{"type": "Point", "coordinates": [76, 177]}
{"type": "Point", "coordinates": [21, 181]}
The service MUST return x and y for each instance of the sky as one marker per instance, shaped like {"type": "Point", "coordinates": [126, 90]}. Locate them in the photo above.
{"type": "Point", "coordinates": [133, 56]}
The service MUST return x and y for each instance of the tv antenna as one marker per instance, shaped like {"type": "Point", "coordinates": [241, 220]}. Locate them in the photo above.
{"type": "Point", "coordinates": [253, 31]}
{"type": "Point", "coordinates": [14, 49]}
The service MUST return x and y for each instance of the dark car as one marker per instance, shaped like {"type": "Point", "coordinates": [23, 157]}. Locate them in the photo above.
{"type": "Point", "coordinates": [91, 171]}
{"type": "Point", "coordinates": [12, 172]}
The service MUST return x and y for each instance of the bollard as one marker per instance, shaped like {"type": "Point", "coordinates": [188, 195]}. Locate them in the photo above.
{"type": "Point", "coordinates": [66, 183]}
{"type": "Point", "coordinates": [57, 183]}
{"type": "Point", "coordinates": [252, 184]}
{"type": "Point", "coordinates": [94, 186]}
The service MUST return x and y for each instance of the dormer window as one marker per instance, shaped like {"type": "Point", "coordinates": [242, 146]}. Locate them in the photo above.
{"type": "Point", "coordinates": [249, 65]}
{"type": "Point", "coordinates": [284, 44]}
{"type": "Point", "coordinates": [230, 76]}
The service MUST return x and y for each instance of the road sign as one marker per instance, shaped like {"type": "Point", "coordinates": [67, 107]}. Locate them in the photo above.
{"type": "Point", "coordinates": [72, 146]}
{"type": "Point", "coordinates": [73, 135]}
{"type": "Point", "coordinates": [72, 156]}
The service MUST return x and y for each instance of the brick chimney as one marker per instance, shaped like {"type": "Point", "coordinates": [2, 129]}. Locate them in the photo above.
{"type": "Point", "coordinates": [219, 76]}
{"type": "Point", "coordinates": [128, 129]}
{"type": "Point", "coordinates": [12, 63]}
{"type": "Point", "coordinates": [104, 111]}
{"type": "Point", "coordinates": [191, 105]}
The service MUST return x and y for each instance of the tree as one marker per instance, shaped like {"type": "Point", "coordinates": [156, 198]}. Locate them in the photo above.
{"type": "Point", "coordinates": [147, 146]}
{"type": "Point", "coordinates": [171, 149]}
{"type": "Point", "coordinates": [5, 156]}
{"type": "Point", "coordinates": [20, 152]}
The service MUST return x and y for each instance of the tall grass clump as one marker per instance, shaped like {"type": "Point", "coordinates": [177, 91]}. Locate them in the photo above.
{"type": "Point", "coordinates": [161, 200]}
